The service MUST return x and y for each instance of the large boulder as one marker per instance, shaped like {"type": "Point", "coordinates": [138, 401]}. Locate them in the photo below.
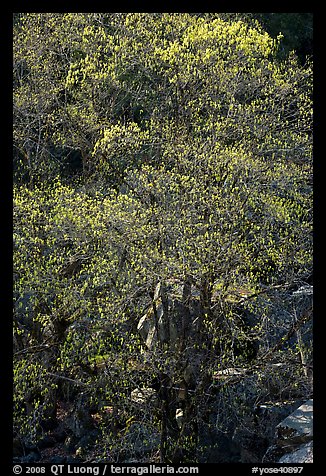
{"type": "Point", "coordinates": [251, 444]}
{"type": "Point", "coordinates": [139, 440]}
{"type": "Point", "coordinates": [80, 421]}
{"type": "Point", "coordinates": [304, 454]}
{"type": "Point", "coordinates": [294, 437]}
{"type": "Point", "coordinates": [270, 414]}
{"type": "Point", "coordinates": [296, 428]}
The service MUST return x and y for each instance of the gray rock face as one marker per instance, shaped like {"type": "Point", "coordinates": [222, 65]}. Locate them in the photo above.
{"type": "Point", "coordinates": [304, 454]}
{"type": "Point", "coordinates": [270, 414]}
{"type": "Point", "coordinates": [33, 457]}
{"type": "Point", "coordinates": [140, 439]}
{"type": "Point", "coordinates": [297, 427]}
{"type": "Point", "coordinates": [294, 437]}
{"type": "Point", "coordinates": [306, 290]}
{"type": "Point", "coordinates": [251, 445]}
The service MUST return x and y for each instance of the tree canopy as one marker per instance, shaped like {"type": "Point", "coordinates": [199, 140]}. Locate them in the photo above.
{"type": "Point", "coordinates": [163, 166]}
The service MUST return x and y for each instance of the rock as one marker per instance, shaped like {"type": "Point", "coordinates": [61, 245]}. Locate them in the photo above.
{"type": "Point", "coordinates": [88, 440]}
{"type": "Point", "coordinates": [140, 439]}
{"type": "Point", "coordinates": [252, 446]}
{"type": "Point", "coordinates": [297, 427]}
{"type": "Point", "coordinates": [228, 374]}
{"type": "Point", "coordinates": [59, 435]}
{"type": "Point", "coordinates": [32, 457]}
{"type": "Point", "coordinates": [278, 381]}
{"type": "Point", "coordinates": [58, 459]}
{"type": "Point", "coordinates": [216, 447]}
{"type": "Point", "coordinates": [304, 454]}
{"type": "Point", "coordinates": [306, 290]}
{"type": "Point", "coordinates": [29, 446]}
{"type": "Point", "coordinates": [143, 395]}
{"type": "Point", "coordinates": [270, 414]}
{"type": "Point", "coordinates": [46, 442]}
{"type": "Point", "coordinates": [18, 447]}
{"type": "Point", "coordinates": [293, 437]}
{"type": "Point", "coordinates": [73, 459]}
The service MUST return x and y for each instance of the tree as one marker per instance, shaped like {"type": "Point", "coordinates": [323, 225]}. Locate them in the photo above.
{"type": "Point", "coordinates": [188, 234]}
{"type": "Point", "coordinates": [297, 31]}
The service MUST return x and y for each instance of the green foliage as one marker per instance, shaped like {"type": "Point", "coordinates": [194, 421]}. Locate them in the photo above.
{"type": "Point", "coordinates": [195, 146]}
